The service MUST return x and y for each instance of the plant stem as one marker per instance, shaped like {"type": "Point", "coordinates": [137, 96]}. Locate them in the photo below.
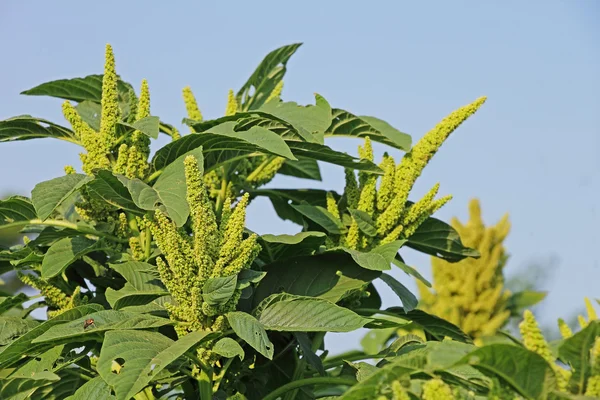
{"type": "Point", "coordinates": [205, 384]}
{"type": "Point", "coordinates": [65, 224]}
{"type": "Point", "coordinates": [147, 243]}
{"type": "Point", "coordinates": [301, 365]}
{"type": "Point", "coordinates": [321, 380]}
{"type": "Point", "coordinates": [154, 175]}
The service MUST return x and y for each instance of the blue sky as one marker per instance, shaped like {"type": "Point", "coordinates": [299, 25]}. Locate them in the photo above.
{"type": "Point", "coordinates": [533, 150]}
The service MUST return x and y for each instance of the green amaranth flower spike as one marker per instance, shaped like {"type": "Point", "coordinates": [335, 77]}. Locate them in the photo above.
{"type": "Point", "coordinates": [398, 392]}
{"type": "Point", "coordinates": [58, 302]}
{"type": "Point", "coordinates": [232, 104]}
{"type": "Point", "coordinates": [110, 99]}
{"type": "Point", "coordinates": [214, 250]}
{"type": "Point", "coordinates": [470, 293]}
{"type": "Point", "coordinates": [437, 389]}
{"type": "Point", "coordinates": [191, 106]}
{"type": "Point", "coordinates": [139, 143]}
{"type": "Point", "coordinates": [534, 340]}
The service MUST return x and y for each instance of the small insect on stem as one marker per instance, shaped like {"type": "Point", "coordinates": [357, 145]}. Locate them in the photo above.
{"type": "Point", "coordinates": [88, 322]}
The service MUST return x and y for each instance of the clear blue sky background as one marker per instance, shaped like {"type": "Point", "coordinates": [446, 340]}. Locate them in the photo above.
{"type": "Point", "coordinates": [533, 150]}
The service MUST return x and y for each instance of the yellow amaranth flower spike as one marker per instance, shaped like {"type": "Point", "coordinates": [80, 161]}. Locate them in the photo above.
{"type": "Point", "coordinates": [232, 104]}
{"type": "Point", "coordinates": [385, 194]}
{"type": "Point", "coordinates": [69, 170]}
{"type": "Point", "coordinates": [143, 109]}
{"type": "Point", "coordinates": [564, 329]}
{"type": "Point", "coordinates": [436, 389]}
{"type": "Point", "coordinates": [332, 206]}
{"type": "Point", "coordinates": [191, 106]}
{"type": "Point", "coordinates": [110, 99]}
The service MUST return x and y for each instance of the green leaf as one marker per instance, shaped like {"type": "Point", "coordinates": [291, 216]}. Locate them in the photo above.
{"type": "Point", "coordinates": [308, 353]}
{"type": "Point", "coordinates": [324, 153]}
{"type": "Point", "coordinates": [26, 127]}
{"type": "Point", "coordinates": [218, 291]}
{"type": "Point", "coordinates": [129, 296]}
{"type": "Point", "coordinates": [346, 124]}
{"type": "Point", "coordinates": [519, 301]}
{"type": "Point", "coordinates": [575, 351]}
{"type": "Point", "coordinates": [527, 372]}
{"type": "Point", "coordinates": [8, 302]}
{"type": "Point", "coordinates": [435, 326]}
{"type": "Point", "coordinates": [140, 275]}
{"type": "Point", "coordinates": [104, 321]}
{"type": "Point", "coordinates": [149, 126]}
{"type": "Point", "coordinates": [223, 147]}
{"type": "Point", "coordinates": [90, 113]}
{"type": "Point", "coordinates": [47, 196]}
{"type": "Point", "coordinates": [255, 92]}
{"type": "Point", "coordinates": [44, 361]}
{"type": "Point", "coordinates": [12, 327]}
{"type": "Point", "coordinates": [248, 276]}
{"type": "Point", "coordinates": [26, 386]}
{"type": "Point", "coordinates": [364, 221]}
{"type": "Point", "coordinates": [282, 200]}
{"type": "Point", "coordinates": [108, 187]}
{"type": "Point", "coordinates": [279, 247]}
{"type": "Point", "coordinates": [322, 217]}
{"type": "Point", "coordinates": [308, 314]}
{"type": "Point", "coordinates": [439, 239]}
{"type": "Point", "coordinates": [305, 168]}
{"type": "Point", "coordinates": [378, 259]}
{"type": "Point", "coordinates": [24, 346]}
{"type": "Point", "coordinates": [16, 209]}
{"type": "Point", "coordinates": [330, 276]}
{"type": "Point", "coordinates": [373, 382]}
{"type": "Point", "coordinates": [229, 348]}
{"type": "Point", "coordinates": [64, 253]}
{"type": "Point", "coordinates": [411, 271]}
{"type": "Point", "coordinates": [252, 332]}
{"type": "Point", "coordinates": [409, 301]}
{"type": "Point", "coordinates": [142, 356]}
{"type": "Point", "coordinates": [95, 389]}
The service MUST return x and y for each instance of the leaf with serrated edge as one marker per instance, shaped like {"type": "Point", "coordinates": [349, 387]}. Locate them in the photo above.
{"type": "Point", "coordinates": [145, 354]}
{"type": "Point", "coordinates": [252, 332]}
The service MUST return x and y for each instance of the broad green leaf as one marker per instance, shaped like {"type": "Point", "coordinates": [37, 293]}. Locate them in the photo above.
{"type": "Point", "coordinates": [12, 327]}
{"type": "Point", "coordinates": [95, 389]}
{"type": "Point", "coordinates": [519, 301]}
{"type": "Point", "coordinates": [26, 127]}
{"type": "Point", "coordinates": [324, 153]}
{"type": "Point", "coordinates": [140, 275]}
{"type": "Point", "coordinates": [305, 168]}
{"type": "Point", "coordinates": [142, 356]}
{"type": "Point", "coordinates": [378, 259]}
{"type": "Point", "coordinates": [229, 348]}
{"type": "Point", "coordinates": [411, 271]}
{"type": "Point", "coordinates": [409, 301]}
{"type": "Point", "coordinates": [370, 386]}
{"type": "Point", "coordinates": [330, 276]}
{"type": "Point", "coordinates": [364, 221]}
{"type": "Point", "coordinates": [43, 362]}
{"type": "Point", "coordinates": [248, 276]}
{"type": "Point", "coordinates": [218, 291]}
{"type": "Point", "coordinates": [375, 339]}
{"type": "Point", "coordinates": [26, 386]}
{"type": "Point", "coordinates": [90, 113]}
{"type": "Point", "coordinates": [322, 217]}
{"type": "Point", "coordinates": [105, 320]}
{"type": "Point", "coordinates": [47, 196]}
{"type": "Point", "coordinates": [252, 332]}
{"type": "Point", "coordinates": [220, 148]}
{"type": "Point", "coordinates": [50, 235]}
{"type": "Point", "coordinates": [308, 353]}
{"type": "Point", "coordinates": [16, 209]}
{"type": "Point", "coordinates": [255, 92]}
{"type": "Point", "coordinates": [24, 346]}
{"type": "Point", "coordinates": [435, 326]}
{"type": "Point", "coordinates": [148, 126]}
{"type": "Point", "coordinates": [279, 247]}
{"type": "Point", "coordinates": [65, 252]}
{"type": "Point", "coordinates": [439, 239]}
{"type": "Point", "coordinates": [67, 385]}
{"type": "Point", "coordinates": [106, 186]}
{"type": "Point", "coordinates": [8, 302]}
{"type": "Point", "coordinates": [308, 314]}
{"type": "Point", "coordinates": [282, 200]}
{"type": "Point", "coordinates": [527, 372]}
{"type": "Point", "coordinates": [129, 296]}
{"type": "Point", "coordinates": [575, 351]}
{"type": "Point", "coordinates": [346, 124]}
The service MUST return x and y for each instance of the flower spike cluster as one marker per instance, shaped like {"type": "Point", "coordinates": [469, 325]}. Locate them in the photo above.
{"type": "Point", "coordinates": [215, 249]}
{"type": "Point", "coordinates": [470, 293]}
{"type": "Point", "coordinates": [58, 302]}
{"type": "Point", "coordinates": [191, 106]}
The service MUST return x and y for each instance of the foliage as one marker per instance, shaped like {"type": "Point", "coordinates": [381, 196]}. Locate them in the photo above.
{"type": "Point", "coordinates": [153, 287]}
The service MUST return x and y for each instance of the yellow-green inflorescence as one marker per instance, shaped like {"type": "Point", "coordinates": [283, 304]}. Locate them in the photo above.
{"type": "Point", "coordinates": [593, 383]}
{"type": "Point", "coordinates": [387, 204]}
{"type": "Point", "coordinates": [437, 389]}
{"type": "Point", "coordinates": [191, 106]}
{"type": "Point", "coordinates": [232, 104]}
{"type": "Point", "coordinates": [58, 302]}
{"type": "Point", "coordinates": [216, 249]}
{"type": "Point", "coordinates": [470, 293]}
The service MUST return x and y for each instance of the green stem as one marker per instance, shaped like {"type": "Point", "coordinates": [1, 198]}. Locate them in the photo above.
{"type": "Point", "coordinates": [324, 380]}
{"type": "Point", "coordinates": [259, 169]}
{"type": "Point", "coordinates": [65, 224]}
{"type": "Point", "coordinates": [301, 365]}
{"type": "Point", "coordinates": [154, 175]}
{"type": "Point", "coordinates": [147, 243]}
{"type": "Point", "coordinates": [205, 384]}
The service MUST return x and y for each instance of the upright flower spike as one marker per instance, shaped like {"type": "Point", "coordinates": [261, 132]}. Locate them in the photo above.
{"type": "Point", "coordinates": [232, 104]}
{"type": "Point", "coordinates": [351, 189]}
{"type": "Point", "coordinates": [276, 93]}
{"type": "Point", "coordinates": [139, 143]}
{"type": "Point", "coordinates": [110, 99]}
{"type": "Point", "coordinates": [437, 389]}
{"type": "Point", "coordinates": [385, 194]}
{"type": "Point", "coordinates": [191, 106]}
{"type": "Point", "coordinates": [366, 153]}
{"type": "Point", "coordinates": [332, 206]}
{"type": "Point", "coordinates": [564, 329]}
{"type": "Point", "coordinates": [421, 206]}
{"type": "Point", "coordinates": [143, 109]}
{"type": "Point", "coordinates": [417, 158]}
{"type": "Point", "coordinates": [433, 207]}
{"type": "Point", "coordinates": [232, 237]}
